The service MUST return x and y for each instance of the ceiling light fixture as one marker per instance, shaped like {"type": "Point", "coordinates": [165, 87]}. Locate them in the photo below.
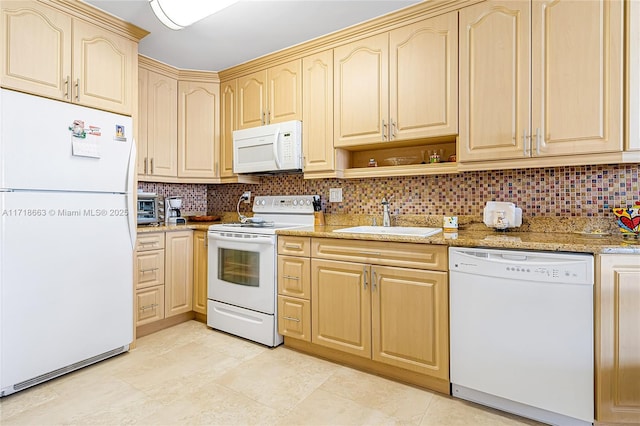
{"type": "Point", "coordinates": [177, 14]}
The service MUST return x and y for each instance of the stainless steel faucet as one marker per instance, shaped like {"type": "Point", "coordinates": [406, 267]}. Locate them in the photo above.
{"type": "Point", "coordinates": [386, 216]}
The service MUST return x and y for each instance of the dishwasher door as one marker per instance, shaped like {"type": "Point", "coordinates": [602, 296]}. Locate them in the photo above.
{"type": "Point", "coordinates": [522, 332]}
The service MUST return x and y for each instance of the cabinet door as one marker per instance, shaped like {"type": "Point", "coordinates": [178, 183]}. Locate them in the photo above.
{"type": "Point", "coordinates": [150, 305]}
{"type": "Point", "coordinates": [150, 267]}
{"type": "Point", "coordinates": [142, 162]}
{"type": "Point", "coordinates": [284, 92]}
{"type": "Point", "coordinates": [423, 79]}
{"type": "Point", "coordinates": [341, 306]}
{"type": "Point", "coordinates": [200, 271]}
{"type": "Point", "coordinates": [36, 43]}
{"type": "Point", "coordinates": [495, 72]}
{"type": "Point", "coordinates": [162, 125]}
{"type": "Point", "coordinates": [198, 129]}
{"type": "Point", "coordinates": [252, 99]}
{"type": "Point", "coordinates": [178, 272]}
{"type": "Point", "coordinates": [410, 319]}
{"type": "Point", "coordinates": [228, 123]}
{"type": "Point", "coordinates": [294, 318]}
{"type": "Point", "coordinates": [103, 68]}
{"type": "Point", "coordinates": [618, 339]}
{"type": "Point", "coordinates": [294, 276]}
{"type": "Point", "coordinates": [317, 112]}
{"type": "Point", "coordinates": [577, 76]}
{"type": "Point", "coordinates": [361, 91]}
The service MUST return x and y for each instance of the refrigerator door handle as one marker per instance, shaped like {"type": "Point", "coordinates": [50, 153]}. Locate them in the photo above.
{"type": "Point", "coordinates": [132, 216]}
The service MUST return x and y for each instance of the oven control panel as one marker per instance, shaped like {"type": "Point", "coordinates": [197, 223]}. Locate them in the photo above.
{"type": "Point", "coordinates": [283, 204]}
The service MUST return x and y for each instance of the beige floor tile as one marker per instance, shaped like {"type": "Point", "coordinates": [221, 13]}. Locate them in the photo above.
{"type": "Point", "coordinates": [326, 408]}
{"type": "Point", "coordinates": [448, 411]}
{"type": "Point", "coordinates": [279, 378]}
{"type": "Point", "coordinates": [192, 375]}
{"type": "Point", "coordinates": [394, 399]}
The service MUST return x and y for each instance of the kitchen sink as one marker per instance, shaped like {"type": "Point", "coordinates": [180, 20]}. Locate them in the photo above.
{"type": "Point", "coordinates": [417, 231]}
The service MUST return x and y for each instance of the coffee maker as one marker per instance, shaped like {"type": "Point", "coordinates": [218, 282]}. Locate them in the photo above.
{"type": "Point", "coordinates": [172, 206]}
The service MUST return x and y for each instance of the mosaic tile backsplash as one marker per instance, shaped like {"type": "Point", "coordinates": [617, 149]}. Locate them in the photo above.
{"type": "Point", "coordinates": [585, 191]}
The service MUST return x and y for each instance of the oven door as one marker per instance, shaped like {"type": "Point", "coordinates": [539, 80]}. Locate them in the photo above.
{"type": "Point", "coordinates": [242, 270]}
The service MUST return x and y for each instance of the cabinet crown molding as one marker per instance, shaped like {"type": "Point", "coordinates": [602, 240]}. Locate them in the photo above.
{"type": "Point", "coordinates": [97, 17]}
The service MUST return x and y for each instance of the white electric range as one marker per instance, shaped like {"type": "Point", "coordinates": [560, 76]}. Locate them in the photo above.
{"type": "Point", "coordinates": [242, 277]}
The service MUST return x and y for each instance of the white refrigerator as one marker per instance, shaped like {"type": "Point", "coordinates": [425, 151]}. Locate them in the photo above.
{"type": "Point", "coordinates": [67, 235]}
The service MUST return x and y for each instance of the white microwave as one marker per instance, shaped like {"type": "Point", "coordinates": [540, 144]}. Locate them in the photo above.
{"type": "Point", "coordinates": [274, 148]}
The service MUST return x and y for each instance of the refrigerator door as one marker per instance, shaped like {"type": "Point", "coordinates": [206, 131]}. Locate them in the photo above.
{"type": "Point", "coordinates": [66, 280]}
{"type": "Point", "coordinates": [39, 152]}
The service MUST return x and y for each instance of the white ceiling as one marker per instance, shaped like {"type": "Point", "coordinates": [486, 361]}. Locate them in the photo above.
{"type": "Point", "coordinates": [246, 30]}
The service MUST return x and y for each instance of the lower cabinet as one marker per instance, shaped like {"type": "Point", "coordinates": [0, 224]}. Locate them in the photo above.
{"type": "Point", "coordinates": [397, 316]}
{"type": "Point", "coordinates": [618, 339]}
{"type": "Point", "coordinates": [178, 294]}
{"type": "Point", "coordinates": [200, 259]}
{"type": "Point", "coordinates": [164, 281]}
{"type": "Point", "coordinates": [380, 306]}
{"type": "Point", "coordinates": [294, 287]}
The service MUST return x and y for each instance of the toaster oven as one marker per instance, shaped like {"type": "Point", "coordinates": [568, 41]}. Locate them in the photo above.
{"type": "Point", "coordinates": [148, 208]}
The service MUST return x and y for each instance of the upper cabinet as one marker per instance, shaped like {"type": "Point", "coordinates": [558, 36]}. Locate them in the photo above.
{"type": "Point", "coordinates": [399, 85]}
{"type": "Point", "coordinates": [157, 126]}
{"type": "Point", "coordinates": [270, 96]}
{"type": "Point", "coordinates": [198, 129]}
{"type": "Point", "coordinates": [50, 53]}
{"type": "Point", "coordinates": [540, 79]}
{"type": "Point", "coordinates": [228, 123]}
{"type": "Point", "coordinates": [317, 115]}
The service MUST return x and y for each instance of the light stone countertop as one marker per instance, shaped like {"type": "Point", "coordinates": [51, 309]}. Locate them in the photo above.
{"type": "Point", "coordinates": [535, 234]}
{"type": "Point", "coordinates": [543, 241]}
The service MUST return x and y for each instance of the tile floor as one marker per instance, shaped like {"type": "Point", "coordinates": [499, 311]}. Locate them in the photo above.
{"type": "Point", "coordinates": [192, 375]}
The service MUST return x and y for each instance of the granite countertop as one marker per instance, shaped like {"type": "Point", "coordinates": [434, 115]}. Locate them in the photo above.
{"type": "Point", "coordinates": [534, 234]}
{"type": "Point", "coordinates": [545, 241]}
{"type": "Point", "coordinates": [196, 226]}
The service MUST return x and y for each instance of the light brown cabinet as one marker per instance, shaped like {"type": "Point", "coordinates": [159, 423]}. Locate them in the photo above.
{"type": "Point", "coordinates": [618, 339]}
{"type": "Point", "coordinates": [317, 115]}
{"type": "Point", "coordinates": [552, 73]}
{"type": "Point", "coordinates": [228, 123]}
{"type": "Point", "coordinates": [198, 129]}
{"type": "Point", "coordinates": [52, 54]}
{"type": "Point", "coordinates": [200, 268]}
{"type": "Point", "coordinates": [149, 294]}
{"type": "Point", "coordinates": [178, 272]}
{"type": "Point", "coordinates": [158, 124]}
{"type": "Point", "coordinates": [384, 301]}
{"type": "Point", "coordinates": [400, 85]}
{"type": "Point", "coordinates": [270, 96]}
{"type": "Point", "coordinates": [294, 287]}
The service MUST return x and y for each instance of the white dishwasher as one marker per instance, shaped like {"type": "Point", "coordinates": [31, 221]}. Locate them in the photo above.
{"type": "Point", "coordinates": [522, 332]}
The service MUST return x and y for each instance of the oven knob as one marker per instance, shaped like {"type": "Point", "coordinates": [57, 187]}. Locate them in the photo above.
{"type": "Point", "coordinates": [308, 202]}
{"type": "Point", "coordinates": [263, 202]}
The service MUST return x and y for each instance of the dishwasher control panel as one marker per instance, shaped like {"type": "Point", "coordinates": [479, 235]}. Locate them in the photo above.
{"type": "Point", "coordinates": [571, 268]}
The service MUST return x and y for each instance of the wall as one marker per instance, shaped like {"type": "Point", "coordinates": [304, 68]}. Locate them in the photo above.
{"type": "Point", "coordinates": [585, 191]}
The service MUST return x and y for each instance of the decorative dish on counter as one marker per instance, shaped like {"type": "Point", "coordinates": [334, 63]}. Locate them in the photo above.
{"type": "Point", "coordinates": [628, 219]}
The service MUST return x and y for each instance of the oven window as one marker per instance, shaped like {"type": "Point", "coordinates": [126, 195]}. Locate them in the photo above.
{"type": "Point", "coordinates": [239, 266]}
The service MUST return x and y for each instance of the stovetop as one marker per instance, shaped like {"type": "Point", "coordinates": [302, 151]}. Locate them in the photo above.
{"type": "Point", "coordinates": [273, 212]}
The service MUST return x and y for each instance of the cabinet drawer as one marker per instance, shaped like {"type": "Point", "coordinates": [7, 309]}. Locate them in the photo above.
{"type": "Point", "coordinates": [150, 268]}
{"type": "Point", "coordinates": [150, 303]}
{"type": "Point", "coordinates": [418, 256]}
{"type": "Point", "coordinates": [294, 246]}
{"type": "Point", "coordinates": [150, 241]}
{"type": "Point", "coordinates": [294, 318]}
{"type": "Point", "coordinates": [294, 276]}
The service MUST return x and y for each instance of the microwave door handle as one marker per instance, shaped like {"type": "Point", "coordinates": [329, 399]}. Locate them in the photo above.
{"type": "Point", "coordinates": [275, 149]}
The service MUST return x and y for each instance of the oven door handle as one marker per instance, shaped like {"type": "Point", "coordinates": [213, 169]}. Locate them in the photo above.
{"type": "Point", "coordinates": [256, 240]}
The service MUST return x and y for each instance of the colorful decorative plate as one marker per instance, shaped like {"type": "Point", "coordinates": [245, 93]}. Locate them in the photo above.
{"type": "Point", "coordinates": [628, 219]}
